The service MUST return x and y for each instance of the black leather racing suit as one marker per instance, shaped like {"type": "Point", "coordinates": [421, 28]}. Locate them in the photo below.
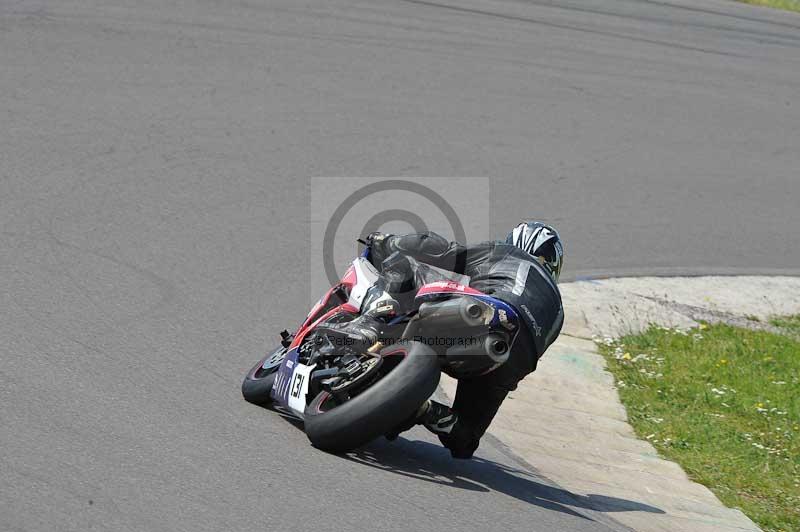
{"type": "Point", "coordinates": [511, 275]}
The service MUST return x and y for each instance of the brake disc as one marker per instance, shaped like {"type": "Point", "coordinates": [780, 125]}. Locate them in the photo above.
{"type": "Point", "coordinates": [348, 385]}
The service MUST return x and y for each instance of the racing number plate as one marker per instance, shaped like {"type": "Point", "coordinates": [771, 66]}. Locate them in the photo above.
{"type": "Point", "coordinates": [299, 388]}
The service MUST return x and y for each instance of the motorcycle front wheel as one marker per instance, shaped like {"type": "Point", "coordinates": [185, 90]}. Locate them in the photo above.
{"type": "Point", "coordinates": [391, 400]}
{"type": "Point", "coordinates": [257, 384]}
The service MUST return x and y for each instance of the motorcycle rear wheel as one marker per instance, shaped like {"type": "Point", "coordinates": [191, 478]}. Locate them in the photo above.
{"type": "Point", "coordinates": [380, 408]}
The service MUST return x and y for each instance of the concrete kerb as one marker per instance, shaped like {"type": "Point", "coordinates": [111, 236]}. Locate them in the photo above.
{"type": "Point", "coordinates": [567, 422]}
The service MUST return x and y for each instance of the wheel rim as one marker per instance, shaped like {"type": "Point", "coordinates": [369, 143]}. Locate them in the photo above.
{"type": "Point", "coordinates": [328, 400]}
{"type": "Point", "coordinates": [271, 363]}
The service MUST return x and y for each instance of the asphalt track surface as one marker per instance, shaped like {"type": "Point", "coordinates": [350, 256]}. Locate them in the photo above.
{"type": "Point", "coordinates": [154, 159]}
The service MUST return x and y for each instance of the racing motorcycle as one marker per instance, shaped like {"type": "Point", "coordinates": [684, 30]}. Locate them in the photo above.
{"type": "Point", "coordinates": [371, 350]}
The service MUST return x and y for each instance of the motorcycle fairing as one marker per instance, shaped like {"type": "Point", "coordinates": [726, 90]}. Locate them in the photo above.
{"type": "Point", "coordinates": [291, 383]}
{"type": "Point", "coordinates": [365, 276]}
{"type": "Point", "coordinates": [280, 390]}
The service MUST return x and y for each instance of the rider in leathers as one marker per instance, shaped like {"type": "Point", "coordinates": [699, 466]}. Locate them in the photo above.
{"type": "Point", "coordinates": [522, 271]}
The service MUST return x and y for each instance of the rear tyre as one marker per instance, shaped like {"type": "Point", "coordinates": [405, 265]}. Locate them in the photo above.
{"type": "Point", "coordinates": [257, 384]}
{"type": "Point", "coordinates": [380, 408]}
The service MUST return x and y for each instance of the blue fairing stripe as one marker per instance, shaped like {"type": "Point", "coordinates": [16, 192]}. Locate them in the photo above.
{"type": "Point", "coordinates": [280, 390]}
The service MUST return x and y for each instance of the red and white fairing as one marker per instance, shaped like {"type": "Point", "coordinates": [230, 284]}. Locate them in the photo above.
{"type": "Point", "coordinates": [292, 381]}
{"type": "Point", "coordinates": [364, 275]}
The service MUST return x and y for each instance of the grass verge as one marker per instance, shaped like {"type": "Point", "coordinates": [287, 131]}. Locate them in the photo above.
{"type": "Point", "coordinates": [724, 403]}
{"type": "Point", "coordinates": [787, 5]}
{"type": "Point", "coordinates": [790, 324]}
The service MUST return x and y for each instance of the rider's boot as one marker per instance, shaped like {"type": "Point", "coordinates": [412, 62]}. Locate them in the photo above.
{"type": "Point", "coordinates": [437, 417]}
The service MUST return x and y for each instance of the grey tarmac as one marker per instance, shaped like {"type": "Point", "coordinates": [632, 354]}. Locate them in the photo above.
{"type": "Point", "coordinates": [154, 166]}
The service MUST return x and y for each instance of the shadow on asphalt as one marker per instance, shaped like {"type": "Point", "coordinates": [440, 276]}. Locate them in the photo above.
{"type": "Point", "coordinates": [432, 463]}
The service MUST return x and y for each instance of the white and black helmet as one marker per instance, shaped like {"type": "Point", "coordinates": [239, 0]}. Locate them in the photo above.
{"type": "Point", "coordinates": [541, 241]}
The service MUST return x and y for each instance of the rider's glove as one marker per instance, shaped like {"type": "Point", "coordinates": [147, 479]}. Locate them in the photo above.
{"type": "Point", "coordinates": [379, 245]}
{"type": "Point", "coordinates": [375, 238]}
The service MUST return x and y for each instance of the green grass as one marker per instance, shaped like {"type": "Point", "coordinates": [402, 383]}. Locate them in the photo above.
{"type": "Point", "coordinates": [790, 324]}
{"type": "Point", "coordinates": [788, 5]}
{"type": "Point", "coordinates": [724, 403]}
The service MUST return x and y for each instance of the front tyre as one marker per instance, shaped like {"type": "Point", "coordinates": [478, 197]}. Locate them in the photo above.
{"type": "Point", "coordinates": [379, 409]}
{"type": "Point", "coordinates": [257, 384]}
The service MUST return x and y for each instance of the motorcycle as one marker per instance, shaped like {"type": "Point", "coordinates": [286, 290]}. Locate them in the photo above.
{"type": "Point", "coordinates": [372, 349]}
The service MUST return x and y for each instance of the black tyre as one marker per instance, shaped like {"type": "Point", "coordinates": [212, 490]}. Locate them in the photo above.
{"type": "Point", "coordinates": [380, 408]}
{"type": "Point", "coordinates": [257, 384]}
